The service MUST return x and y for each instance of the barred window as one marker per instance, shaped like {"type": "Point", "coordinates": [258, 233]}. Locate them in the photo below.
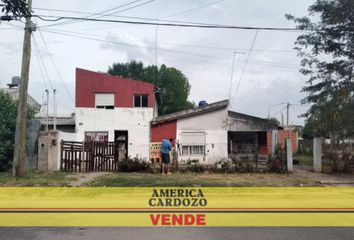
{"type": "Point", "coordinates": [193, 150]}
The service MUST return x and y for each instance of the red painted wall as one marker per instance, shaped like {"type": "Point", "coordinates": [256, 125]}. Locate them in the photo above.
{"type": "Point", "coordinates": [164, 131]}
{"type": "Point", "coordinates": [88, 83]}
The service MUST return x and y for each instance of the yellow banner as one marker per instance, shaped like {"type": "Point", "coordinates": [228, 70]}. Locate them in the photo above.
{"type": "Point", "coordinates": [176, 206]}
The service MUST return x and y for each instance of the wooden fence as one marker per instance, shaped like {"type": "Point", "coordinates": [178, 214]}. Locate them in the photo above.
{"type": "Point", "coordinates": [88, 156]}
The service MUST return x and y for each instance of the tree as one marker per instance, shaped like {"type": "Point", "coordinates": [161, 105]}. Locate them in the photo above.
{"type": "Point", "coordinates": [173, 84]}
{"type": "Point", "coordinates": [274, 120]}
{"type": "Point", "coordinates": [8, 114]}
{"type": "Point", "coordinates": [327, 51]}
{"type": "Point", "coordinates": [18, 8]}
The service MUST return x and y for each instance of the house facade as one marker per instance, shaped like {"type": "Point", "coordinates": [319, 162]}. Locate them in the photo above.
{"type": "Point", "coordinates": [110, 108]}
{"type": "Point", "coordinates": [212, 132]}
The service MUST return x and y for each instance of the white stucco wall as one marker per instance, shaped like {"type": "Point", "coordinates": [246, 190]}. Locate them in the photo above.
{"type": "Point", "coordinates": [134, 120]}
{"type": "Point", "coordinates": [215, 136]}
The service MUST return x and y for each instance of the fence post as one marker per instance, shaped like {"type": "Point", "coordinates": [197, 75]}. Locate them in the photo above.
{"type": "Point", "coordinates": [289, 155]}
{"type": "Point", "coordinates": [61, 154]}
{"type": "Point", "coordinates": [317, 154]}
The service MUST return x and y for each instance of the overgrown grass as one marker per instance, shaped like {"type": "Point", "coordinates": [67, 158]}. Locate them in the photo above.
{"type": "Point", "coordinates": [305, 159]}
{"type": "Point", "coordinates": [37, 179]}
{"type": "Point", "coordinates": [199, 180]}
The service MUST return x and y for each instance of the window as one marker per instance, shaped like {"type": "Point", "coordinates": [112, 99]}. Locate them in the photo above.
{"type": "Point", "coordinates": [141, 100]}
{"type": "Point", "coordinates": [193, 150]}
{"type": "Point", "coordinates": [193, 143]}
{"type": "Point", "coordinates": [96, 136]}
{"type": "Point", "coordinates": [104, 100]}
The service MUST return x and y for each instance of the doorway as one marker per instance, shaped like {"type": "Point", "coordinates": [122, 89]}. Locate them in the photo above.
{"type": "Point", "coordinates": [121, 141]}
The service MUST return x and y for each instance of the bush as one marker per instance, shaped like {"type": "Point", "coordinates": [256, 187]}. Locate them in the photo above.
{"type": "Point", "coordinates": [8, 115]}
{"type": "Point", "coordinates": [225, 166]}
{"type": "Point", "coordinates": [134, 165]}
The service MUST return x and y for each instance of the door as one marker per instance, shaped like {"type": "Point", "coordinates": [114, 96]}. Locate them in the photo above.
{"type": "Point", "coordinates": [121, 142]}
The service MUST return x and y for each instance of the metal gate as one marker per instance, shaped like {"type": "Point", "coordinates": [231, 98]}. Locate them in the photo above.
{"type": "Point", "coordinates": [88, 156]}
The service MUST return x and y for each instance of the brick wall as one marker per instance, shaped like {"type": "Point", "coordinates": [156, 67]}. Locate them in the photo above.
{"type": "Point", "coordinates": [285, 134]}
{"type": "Point", "coordinates": [269, 142]}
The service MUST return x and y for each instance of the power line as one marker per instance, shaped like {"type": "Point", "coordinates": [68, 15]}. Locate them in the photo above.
{"type": "Point", "coordinates": [131, 17]}
{"type": "Point", "coordinates": [55, 67]}
{"type": "Point", "coordinates": [247, 60]}
{"type": "Point", "coordinates": [141, 4]}
{"type": "Point", "coordinates": [105, 11]}
{"type": "Point", "coordinates": [208, 26]}
{"type": "Point", "coordinates": [280, 111]}
{"type": "Point", "coordinates": [95, 38]}
{"type": "Point", "coordinates": [201, 46]}
{"type": "Point", "coordinates": [127, 17]}
{"type": "Point", "coordinates": [8, 29]}
{"type": "Point", "coordinates": [99, 39]}
{"type": "Point", "coordinates": [40, 66]}
{"type": "Point", "coordinates": [41, 59]}
{"type": "Point", "coordinates": [94, 14]}
{"type": "Point", "coordinates": [193, 9]}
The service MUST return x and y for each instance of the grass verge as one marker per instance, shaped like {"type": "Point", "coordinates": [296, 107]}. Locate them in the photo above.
{"type": "Point", "coordinates": [200, 180]}
{"type": "Point", "coordinates": [37, 179]}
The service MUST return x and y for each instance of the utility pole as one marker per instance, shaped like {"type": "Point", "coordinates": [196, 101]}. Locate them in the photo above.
{"type": "Point", "coordinates": [47, 111]}
{"type": "Point", "coordinates": [287, 113]}
{"type": "Point", "coordinates": [274, 105]}
{"type": "Point", "coordinates": [232, 74]}
{"type": "Point", "coordinates": [55, 111]}
{"type": "Point", "coordinates": [21, 121]}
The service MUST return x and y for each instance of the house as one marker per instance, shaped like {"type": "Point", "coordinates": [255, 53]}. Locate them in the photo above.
{"type": "Point", "coordinates": [124, 111]}
{"type": "Point", "coordinates": [115, 109]}
{"type": "Point", "coordinates": [212, 132]}
{"type": "Point", "coordinates": [13, 91]}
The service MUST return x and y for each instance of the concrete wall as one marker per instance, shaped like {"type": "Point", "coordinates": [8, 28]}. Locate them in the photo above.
{"type": "Point", "coordinates": [31, 161]}
{"type": "Point", "coordinates": [134, 120]}
{"type": "Point", "coordinates": [215, 135]}
{"type": "Point", "coordinates": [48, 151]}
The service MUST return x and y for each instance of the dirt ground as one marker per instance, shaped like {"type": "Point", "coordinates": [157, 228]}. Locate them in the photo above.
{"type": "Point", "coordinates": [85, 178]}
{"type": "Point", "coordinates": [339, 179]}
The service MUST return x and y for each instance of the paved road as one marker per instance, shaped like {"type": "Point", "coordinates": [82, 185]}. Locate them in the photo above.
{"type": "Point", "coordinates": [217, 233]}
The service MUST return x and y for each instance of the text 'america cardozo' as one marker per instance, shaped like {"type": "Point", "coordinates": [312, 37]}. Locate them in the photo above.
{"type": "Point", "coordinates": [179, 199]}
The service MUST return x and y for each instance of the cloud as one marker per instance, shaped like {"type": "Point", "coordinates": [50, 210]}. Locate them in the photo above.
{"type": "Point", "coordinates": [131, 47]}
{"type": "Point", "coordinates": [270, 77]}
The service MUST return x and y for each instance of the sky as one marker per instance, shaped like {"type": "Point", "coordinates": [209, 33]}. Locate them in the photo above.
{"type": "Point", "coordinates": [265, 76]}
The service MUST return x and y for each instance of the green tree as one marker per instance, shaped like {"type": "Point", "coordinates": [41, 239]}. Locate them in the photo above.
{"type": "Point", "coordinates": [327, 51]}
{"type": "Point", "coordinates": [8, 115]}
{"type": "Point", "coordinates": [18, 8]}
{"type": "Point", "coordinates": [173, 84]}
{"type": "Point", "coordinates": [274, 120]}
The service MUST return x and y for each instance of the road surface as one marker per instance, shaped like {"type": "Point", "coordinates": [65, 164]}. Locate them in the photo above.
{"type": "Point", "coordinates": [214, 233]}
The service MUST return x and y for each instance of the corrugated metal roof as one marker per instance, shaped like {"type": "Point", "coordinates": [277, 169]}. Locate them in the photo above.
{"type": "Point", "coordinates": [191, 112]}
